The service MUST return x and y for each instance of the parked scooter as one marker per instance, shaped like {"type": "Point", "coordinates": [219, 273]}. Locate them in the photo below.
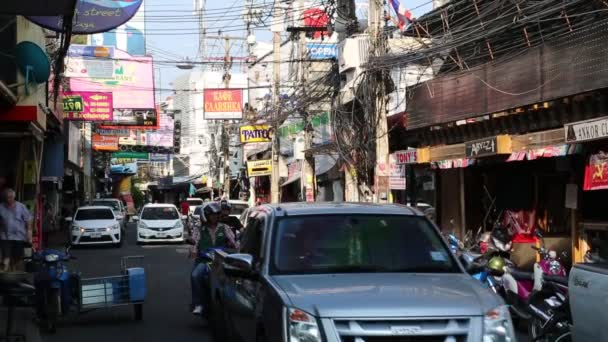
{"type": "Point", "coordinates": [55, 285]}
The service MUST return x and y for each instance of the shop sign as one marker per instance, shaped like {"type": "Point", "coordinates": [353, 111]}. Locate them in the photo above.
{"type": "Point", "coordinates": [406, 157]}
{"type": "Point", "coordinates": [480, 148]}
{"type": "Point", "coordinates": [586, 130]}
{"type": "Point", "coordinates": [257, 133]}
{"type": "Point", "coordinates": [396, 179]}
{"type": "Point", "coordinates": [322, 50]}
{"type": "Point", "coordinates": [104, 143]}
{"type": "Point", "coordinates": [489, 146]}
{"type": "Point", "coordinates": [223, 104]}
{"type": "Point", "coordinates": [259, 168]}
{"type": "Point", "coordinates": [156, 157]}
{"type": "Point", "coordinates": [130, 155]}
{"type": "Point", "coordinates": [144, 118]}
{"type": "Point", "coordinates": [92, 16]}
{"type": "Point", "coordinates": [87, 106]}
{"type": "Point", "coordinates": [90, 51]}
{"type": "Point", "coordinates": [114, 132]}
{"type": "Point", "coordinates": [596, 172]}
{"type": "Point", "coordinates": [89, 67]}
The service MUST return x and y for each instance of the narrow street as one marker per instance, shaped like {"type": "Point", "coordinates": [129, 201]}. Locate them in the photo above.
{"type": "Point", "coordinates": [166, 315]}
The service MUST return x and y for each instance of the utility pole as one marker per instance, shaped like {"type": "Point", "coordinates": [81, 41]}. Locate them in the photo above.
{"type": "Point", "coordinates": [225, 130]}
{"type": "Point", "coordinates": [307, 180]}
{"type": "Point", "coordinates": [276, 73]}
{"type": "Point", "coordinates": [378, 47]}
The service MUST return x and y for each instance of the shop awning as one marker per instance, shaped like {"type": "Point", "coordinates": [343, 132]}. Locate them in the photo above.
{"type": "Point", "coordinates": [323, 163]}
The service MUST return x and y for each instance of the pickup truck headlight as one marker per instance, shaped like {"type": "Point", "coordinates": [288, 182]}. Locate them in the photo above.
{"type": "Point", "coordinates": [497, 325]}
{"type": "Point", "coordinates": [302, 327]}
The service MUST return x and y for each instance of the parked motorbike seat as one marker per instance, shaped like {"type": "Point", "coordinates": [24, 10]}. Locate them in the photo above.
{"type": "Point", "coordinates": [521, 275]}
{"type": "Point", "coordinates": [556, 279]}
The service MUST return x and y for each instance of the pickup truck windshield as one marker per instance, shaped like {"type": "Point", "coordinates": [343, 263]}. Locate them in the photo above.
{"type": "Point", "coordinates": [359, 244]}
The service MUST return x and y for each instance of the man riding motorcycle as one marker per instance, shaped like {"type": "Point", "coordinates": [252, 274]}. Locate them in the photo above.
{"type": "Point", "coordinates": [211, 234]}
{"type": "Point", "coordinates": [231, 221]}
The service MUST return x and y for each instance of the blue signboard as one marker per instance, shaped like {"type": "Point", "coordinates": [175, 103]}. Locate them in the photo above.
{"type": "Point", "coordinates": [322, 50]}
{"type": "Point", "coordinates": [90, 51]}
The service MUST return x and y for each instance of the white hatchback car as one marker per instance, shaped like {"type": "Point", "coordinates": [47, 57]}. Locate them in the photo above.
{"type": "Point", "coordinates": [160, 223]}
{"type": "Point", "coordinates": [93, 225]}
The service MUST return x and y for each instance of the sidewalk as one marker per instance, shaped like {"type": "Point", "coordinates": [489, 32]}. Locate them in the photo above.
{"type": "Point", "coordinates": [23, 324]}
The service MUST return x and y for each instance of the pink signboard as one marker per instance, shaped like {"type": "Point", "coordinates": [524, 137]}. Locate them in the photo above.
{"type": "Point", "coordinates": [132, 82]}
{"type": "Point", "coordinates": [87, 106]}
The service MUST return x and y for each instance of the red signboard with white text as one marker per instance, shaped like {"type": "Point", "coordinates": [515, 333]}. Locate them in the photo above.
{"type": "Point", "coordinates": [596, 172]}
{"type": "Point", "coordinates": [223, 104]}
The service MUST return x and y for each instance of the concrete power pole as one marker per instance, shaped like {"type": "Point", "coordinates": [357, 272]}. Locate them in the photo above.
{"type": "Point", "coordinates": [378, 47]}
{"type": "Point", "coordinates": [225, 130]}
{"type": "Point", "coordinates": [276, 72]}
{"type": "Point", "coordinates": [308, 181]}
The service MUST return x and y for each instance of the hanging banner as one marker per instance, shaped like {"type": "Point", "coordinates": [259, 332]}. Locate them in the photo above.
{"type": "Point", "coordinates": [92, 16]}
{"type": "Point", "coordinates": [259, 168]}
{"type": "Point", "coordinates": [104, 143]}
{"type": "Point", "coordinates": [223, 104]}
{"type": "Point", "coordinates": [257, 133]}
{"type": "Point", "coordinates": [87, 106]}
{"type": "Point", "coordinates": [396, 180]}
{"type": "Point", "coordinates": [596, 172]}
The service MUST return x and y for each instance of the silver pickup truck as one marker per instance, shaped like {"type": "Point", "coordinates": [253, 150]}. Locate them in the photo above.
{"type": "Point", "coordinates": [341, 272]}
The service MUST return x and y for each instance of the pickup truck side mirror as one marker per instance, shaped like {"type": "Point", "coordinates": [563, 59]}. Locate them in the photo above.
{"type": "Point", "coordinates": [135, 218]}
{"type": "Point", "coordinates": [238, 265]}
{"type": "Point", "coordinates": [184, 217]}
{"type": "Point", "coordinates": [68, 219]}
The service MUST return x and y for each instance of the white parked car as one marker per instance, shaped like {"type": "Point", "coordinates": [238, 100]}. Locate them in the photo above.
{"type": "Point", "coordinates": [160, 223]}
{"type": "Point", "coordinates": [93, 225]}
{"type": "Point", "coordinates": [117, 208]}
{"type": "Point", "coordinates": [238, 207]}
{"type": "Point", "coordinates": [194, 202]}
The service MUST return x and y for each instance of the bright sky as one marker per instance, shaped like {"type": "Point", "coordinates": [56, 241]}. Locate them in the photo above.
{"type": "Point", "coordinates": [172, 32]}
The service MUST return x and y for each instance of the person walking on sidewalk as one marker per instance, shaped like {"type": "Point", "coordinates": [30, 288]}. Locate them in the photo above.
{"type": "Point", "coordinates": [15, 231]}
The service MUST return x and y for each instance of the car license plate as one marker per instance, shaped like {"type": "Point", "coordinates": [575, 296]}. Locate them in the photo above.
{"type": "Point", "coordinates": [95, 235]}
{"type": "Point", "coordinates": [161, 235]}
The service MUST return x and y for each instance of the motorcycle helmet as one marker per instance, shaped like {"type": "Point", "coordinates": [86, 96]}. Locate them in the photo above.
{"type": "Point", "coordinates": [502, 239]}
{"type": "Point", "coordinates": [496, 265]}
{"type": "Point", "coordinates": [210, 209]}
{"type": "Point", "coordinates": [225, 205]}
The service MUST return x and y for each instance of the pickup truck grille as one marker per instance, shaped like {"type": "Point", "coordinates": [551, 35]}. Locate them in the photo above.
{"type": "Point", "coordinates": [405, 339]}
{"type": "Point", "coordinates": [423, 330]}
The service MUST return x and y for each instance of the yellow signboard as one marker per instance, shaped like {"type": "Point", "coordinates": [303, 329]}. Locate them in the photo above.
{"type": "Point", "coordinates": [257, 133]}
{"type": "Point", "coordinates": [259, 168]}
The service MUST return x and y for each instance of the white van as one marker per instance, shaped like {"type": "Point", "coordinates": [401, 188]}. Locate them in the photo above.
{"type": "Point", "coordinates": [160, 223]}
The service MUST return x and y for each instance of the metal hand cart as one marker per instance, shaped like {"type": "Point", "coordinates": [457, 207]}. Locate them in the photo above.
{"type": "Point", "coordinates": [128, 288]}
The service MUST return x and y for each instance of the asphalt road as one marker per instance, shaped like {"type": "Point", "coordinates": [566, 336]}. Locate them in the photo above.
{"type": "Point", "coordinates": [166, 314]}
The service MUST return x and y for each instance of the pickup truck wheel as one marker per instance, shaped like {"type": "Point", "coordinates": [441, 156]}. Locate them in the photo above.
{"type": "Point", "coordinates": [216, 324]}
{"type": "Point", "coordinates": [228, 328]}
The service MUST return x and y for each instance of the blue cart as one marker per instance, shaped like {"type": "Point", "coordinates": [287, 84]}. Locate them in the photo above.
{"type": "Point", "coordinates": [128, 288]}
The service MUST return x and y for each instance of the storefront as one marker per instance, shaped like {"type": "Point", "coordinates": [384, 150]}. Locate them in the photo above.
{"type": "Point", "coordinates": [592, 186]}
{"type": "Point", "coordinates": [525, 181]}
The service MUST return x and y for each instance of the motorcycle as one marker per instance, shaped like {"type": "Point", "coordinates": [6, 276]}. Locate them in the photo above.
{"type": "Point", "coordinates": [55, 284]}
{"type": "Point", "coordinates": [548, 304]}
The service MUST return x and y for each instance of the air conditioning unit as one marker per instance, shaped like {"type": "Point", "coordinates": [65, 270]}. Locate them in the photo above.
{"type": "Point", "coordinates": [353, 54]}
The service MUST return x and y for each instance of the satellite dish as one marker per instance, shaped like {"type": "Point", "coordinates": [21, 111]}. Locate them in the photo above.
{"type": "Point", "coordinates": [33, 63]}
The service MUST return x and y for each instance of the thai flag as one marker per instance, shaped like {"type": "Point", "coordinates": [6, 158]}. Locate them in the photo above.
{"type": "Point", "coordinates": [404, 16]}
